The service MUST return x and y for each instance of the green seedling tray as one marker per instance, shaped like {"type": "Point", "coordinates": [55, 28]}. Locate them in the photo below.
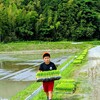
{"type": "Point", "coordinates": [77, 61]}
{"type": "Point", "coordinates": [67, 81]}
{"type": "Point", "coordinates": [48, 79]}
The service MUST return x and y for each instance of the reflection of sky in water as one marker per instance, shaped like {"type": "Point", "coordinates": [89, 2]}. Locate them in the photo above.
{"type": "Point", "coordinates": [10, 88]}
{"type": "Point", "coordinates": [16, 73]}
{"type": "Point", "coordinates": [95, 52]}
{"type": "Point", "coordinates": [23, 71]}
{"type": "Point", "coordinates": [7, 57]}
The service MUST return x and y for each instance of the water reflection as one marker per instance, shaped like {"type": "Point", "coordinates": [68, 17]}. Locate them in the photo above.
{"type": "Point", "coordinates": [10, 88]}
{"type": "Point", "coordinates": [19, 71]}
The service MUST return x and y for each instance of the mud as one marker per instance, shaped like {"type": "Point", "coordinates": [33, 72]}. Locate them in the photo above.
{"type": "Point", "coordinates": [90, 76]}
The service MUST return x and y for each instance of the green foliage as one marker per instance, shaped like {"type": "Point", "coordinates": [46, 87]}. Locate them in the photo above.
{"type": "Point", "coordinates": [22, 95]}
{"type": "Point", "coordinates": [49, 20]}
{"type": "Point", "coordinates": [80, 58]}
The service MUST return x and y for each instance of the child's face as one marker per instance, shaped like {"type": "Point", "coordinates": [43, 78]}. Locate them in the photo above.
{"type": "Point", "coordinates": [46, 59]}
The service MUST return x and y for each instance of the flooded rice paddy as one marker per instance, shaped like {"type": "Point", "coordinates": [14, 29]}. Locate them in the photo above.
{"type": "Point", "coordinates": [17, 71]}
{"type": "Point", "coordinates": [89, 77]}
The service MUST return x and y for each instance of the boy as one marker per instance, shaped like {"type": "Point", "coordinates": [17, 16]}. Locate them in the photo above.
{"type": "Point", "coordinates": [47, 65]}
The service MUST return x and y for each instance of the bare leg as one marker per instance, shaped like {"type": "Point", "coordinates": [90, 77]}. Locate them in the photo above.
{"type": "Point", "coordinates": [47, 94]}
{"type": "Point", "coordinates": [50, 95]}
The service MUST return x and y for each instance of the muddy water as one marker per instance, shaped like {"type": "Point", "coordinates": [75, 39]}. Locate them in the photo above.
{"type": "Point", "coordinates": [18, 71]}
{"type": "Point", "coordinates": [90, 76]}
{"type": "Point", "coordinates": [94, 73]}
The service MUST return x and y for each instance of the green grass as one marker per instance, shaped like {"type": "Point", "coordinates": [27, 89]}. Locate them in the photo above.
{"type": "Point", "coordinates": [93, 42]}
{"type": "Point", "coordinates": [73, 68]}
{"type": "Point", "coordinates": [65, 62]}
{"type": "Point", "coordinates": [26, 92]}
{"type": "Point", "coordinates": [40, 45]}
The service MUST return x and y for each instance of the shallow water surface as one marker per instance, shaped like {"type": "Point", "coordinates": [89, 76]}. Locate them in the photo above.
{"type": "Point", "coordinates": [19, 71]}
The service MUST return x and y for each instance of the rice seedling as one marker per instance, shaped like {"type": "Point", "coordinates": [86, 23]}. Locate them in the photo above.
{"type": "Point", "coordinates": [66, 87]}
{"type": "Point", "coordinates": [81, 57]}
{"type": "Point", "coordinates": [77, 61]}
{"type": "Point", "coordinates": [67, 81]}
{"type": "Point", "coordinates": [48, 75]}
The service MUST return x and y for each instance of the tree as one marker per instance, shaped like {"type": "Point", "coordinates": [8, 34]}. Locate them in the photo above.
{"type": "Point", "coordinates": [50, 20]}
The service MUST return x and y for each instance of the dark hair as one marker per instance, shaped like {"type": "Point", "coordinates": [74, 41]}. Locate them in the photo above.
{"type": "Point", "coordinates": [46, 55]}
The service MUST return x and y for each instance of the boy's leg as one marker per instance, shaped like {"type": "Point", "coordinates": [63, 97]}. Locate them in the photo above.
{"type": "Point", "coordinates": [47, 94]}
{"type": "Point", "coordinates": [50, 89]}
{"type": "Point", "coordinates": [50, 95]}
{"type": "Point", "coordinates": [45, 87]}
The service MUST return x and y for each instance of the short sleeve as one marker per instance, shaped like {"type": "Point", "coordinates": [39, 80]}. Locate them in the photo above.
{"type": "Point", "coordinates": [41, 68]}
{"type": "Point", "coordinates": [54, 67]}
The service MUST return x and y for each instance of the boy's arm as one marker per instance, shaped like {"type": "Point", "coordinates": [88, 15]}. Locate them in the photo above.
{"type": "Point", "coordinates": [55, 68]}
{"type": "Point", "coordinates": [40, 68]}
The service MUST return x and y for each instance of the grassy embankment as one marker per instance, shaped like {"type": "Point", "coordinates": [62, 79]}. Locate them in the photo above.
{"type": "Point", "coordinates": [40, 45]}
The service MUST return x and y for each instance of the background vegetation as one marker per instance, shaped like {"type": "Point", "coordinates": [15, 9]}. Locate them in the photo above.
{"type": "Point", "coordinates": [49, 20]}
